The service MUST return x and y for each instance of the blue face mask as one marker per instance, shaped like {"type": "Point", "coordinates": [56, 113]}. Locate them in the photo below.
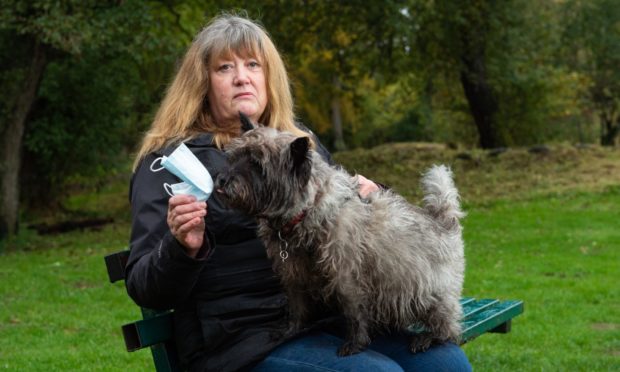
{"type": "Point", "coordinates": [184, 164]}
{"type": "Point", "coordinates": [184, 188]}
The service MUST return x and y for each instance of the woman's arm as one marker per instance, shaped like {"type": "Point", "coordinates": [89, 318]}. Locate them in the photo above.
{"type": "Point", "coordinates": [160, 274]}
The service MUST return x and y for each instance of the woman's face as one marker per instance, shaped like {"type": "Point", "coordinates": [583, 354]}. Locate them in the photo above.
{"type": "Point", "coordinates": [236, 84]}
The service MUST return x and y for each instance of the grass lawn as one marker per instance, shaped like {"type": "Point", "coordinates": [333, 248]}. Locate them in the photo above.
{"type": "Point", "coordinates": [58, 310]}
{"type": "Point", "coordinates": [561, 256]}
{"type": "Point", "coordinates": [555, 247]}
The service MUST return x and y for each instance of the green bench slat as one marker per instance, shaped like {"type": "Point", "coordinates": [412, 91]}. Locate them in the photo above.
{"type": "Point", "coordinates": [495, 318]}
{"type": "Point", "coordinates": [148, 332]}
{"type": "Point", "coordinates": [484, 315]}
{"type": "Point", "coordinates": [115, 264]}
{"type": "Point", "coordinates": [466, 300]}
{"type": "Point", "coordinates": [480, 316]}
{"type": "Point", "coordinates": [472, 308]}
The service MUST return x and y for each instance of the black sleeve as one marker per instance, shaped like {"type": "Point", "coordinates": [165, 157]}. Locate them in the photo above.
{"type": "Point", "coordinates": [322, 150]}
{"type": "Point", "coordinates": [159, 274]}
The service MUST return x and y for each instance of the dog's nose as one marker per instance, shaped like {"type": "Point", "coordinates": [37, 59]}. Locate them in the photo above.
{"type": "Point", "coordinates": [220, 180]}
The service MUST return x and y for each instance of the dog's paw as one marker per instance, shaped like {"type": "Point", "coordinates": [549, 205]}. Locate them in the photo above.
{"type": "Point", "coordinates": [349, 348]}
{"type": "Point", "coordinates": [293, 329]}
{"type": "Point", "coordinates": [420, 343]}
{"type": "Point", "coordinates": [286, 333]}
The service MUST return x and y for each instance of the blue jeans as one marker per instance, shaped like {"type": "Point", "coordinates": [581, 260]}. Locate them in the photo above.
{"type": "Point", "coordinates": [317, 352]}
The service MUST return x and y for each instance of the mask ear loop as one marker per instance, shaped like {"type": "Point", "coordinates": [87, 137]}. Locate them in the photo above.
{"type": "Point", "coordinates": [160, 159]}
{"type": "Point", "coordinates": [168, 188]}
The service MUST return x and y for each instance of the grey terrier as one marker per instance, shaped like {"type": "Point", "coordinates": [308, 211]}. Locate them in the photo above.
{"type": "Point", "coordinates": [386, 264]}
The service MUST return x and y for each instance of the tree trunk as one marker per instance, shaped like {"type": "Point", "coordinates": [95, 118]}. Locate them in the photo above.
{"type": "Point", "coordinates": [427, 104]}
{"type": "Point", "coordinates": [482, 102]}
{"type": "Point", "coordinates": [481, 99]}
{"type": "Point", "coordinates": [10, 147]}
{"type": "Point", "coordinates": [339, 144]}
{"type": "Point", "coordinates": [609, 132]}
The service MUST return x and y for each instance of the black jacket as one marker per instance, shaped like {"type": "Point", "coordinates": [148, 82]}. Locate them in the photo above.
{"type": "Point", "coordinates": [228, 302]}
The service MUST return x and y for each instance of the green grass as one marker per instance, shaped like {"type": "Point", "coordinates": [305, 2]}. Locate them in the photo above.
{"type": "Point", "coordinates": [561, 256]}
{"type": "Point", "coordinates": [540, 229]}
{"type": "Point", "coordinates": [58, 310]}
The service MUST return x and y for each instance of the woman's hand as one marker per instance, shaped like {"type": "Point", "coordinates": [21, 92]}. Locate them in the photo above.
{"type": "Point", "coordinates": [186, 221]}
{"type": "Point", "coordinates": [366, 186]}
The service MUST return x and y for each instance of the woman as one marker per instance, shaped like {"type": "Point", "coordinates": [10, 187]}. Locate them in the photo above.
{"type": "Point", "coordinates": [207, 263]}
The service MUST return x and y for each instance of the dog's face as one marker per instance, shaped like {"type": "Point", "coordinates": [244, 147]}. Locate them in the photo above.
{"type": "Point", "coordinates": [268, 174]}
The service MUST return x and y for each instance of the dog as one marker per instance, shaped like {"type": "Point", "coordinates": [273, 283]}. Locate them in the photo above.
{"type": "Point", "coordinates": [387, 265]}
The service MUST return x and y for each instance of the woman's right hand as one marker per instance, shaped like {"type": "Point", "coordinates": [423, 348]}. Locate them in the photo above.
{"type": "Point", "coordinates": [186, 221]}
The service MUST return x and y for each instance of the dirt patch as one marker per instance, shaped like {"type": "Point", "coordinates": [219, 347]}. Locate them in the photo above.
{"type": "Point", "coordinates": [605, 326]}
{"type": "Point", "coordinates": [487, 175]}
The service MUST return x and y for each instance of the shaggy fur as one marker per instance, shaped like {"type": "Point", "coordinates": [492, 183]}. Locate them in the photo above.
{"type": "Point", "coordinates": [387, 264]}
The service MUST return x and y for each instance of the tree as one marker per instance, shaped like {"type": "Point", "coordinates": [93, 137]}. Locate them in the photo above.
{"type": "Point", "coordinates": [499, 53]}
{"type": "Point", "coordinates": [331, 47]}
{"type": "Point", "coordinates": [452, 38]}
{"type": "Point", "coordinates": [32, 35]}
{"type": "Point", "coordinates": [592, 37]}
{"type": "Point", "coordinates": [16, 107]}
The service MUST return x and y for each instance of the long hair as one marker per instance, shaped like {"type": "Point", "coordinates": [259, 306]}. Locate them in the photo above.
{"type": "Point", "coordinates": [185, 113]}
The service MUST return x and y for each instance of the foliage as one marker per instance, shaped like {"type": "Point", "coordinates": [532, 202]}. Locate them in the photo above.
{"type": "Point", "coordinates": [514, 42]}
{"type": "Point", "coordinates": [394, 69]}
{"type": "Point", "coordinates": [107, 64]}
{"type": "Point", "coordinates": [71, 26]}
{"type": "Point", "coordinates": [73, 124]}
{"type": "Point", "coordinates": [331, 47]}
{"type": "Point", "coordinates": [592, 39]}
{"type": "Point", "coordinates": [90, 132]}
{"type": "Point", "coordinates": [387, 113]}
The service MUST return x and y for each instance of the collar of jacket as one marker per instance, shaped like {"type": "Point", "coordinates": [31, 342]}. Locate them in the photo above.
{"type": "Point", "coordinates": [202, 140]}
{"type": "Point", "coordinates": [205, 139]}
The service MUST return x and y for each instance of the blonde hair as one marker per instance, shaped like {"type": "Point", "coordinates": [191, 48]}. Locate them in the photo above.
{"type": "Point", "coordinates": [184, 112]}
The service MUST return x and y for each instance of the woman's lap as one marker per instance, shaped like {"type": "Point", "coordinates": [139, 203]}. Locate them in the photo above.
{"type": "Point", "coordinates": [317, 352]}
{"type": "Point", "coordinates": [444, 357]}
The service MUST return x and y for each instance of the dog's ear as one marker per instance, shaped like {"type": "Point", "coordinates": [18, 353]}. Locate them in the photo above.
{"type": "Point", "coordinates": [299, 150]}
{"type": "Point", "coordinates": [246, 123]}
{"type": "Point", "coordinates": [299, 157]}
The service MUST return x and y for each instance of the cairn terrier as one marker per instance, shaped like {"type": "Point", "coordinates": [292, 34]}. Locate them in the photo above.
{"type": "Point", "coordinates": [386, 264]}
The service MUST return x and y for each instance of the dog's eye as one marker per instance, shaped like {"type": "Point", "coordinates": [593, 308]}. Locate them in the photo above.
{"type": "Point", "coordinates": [255, 163]}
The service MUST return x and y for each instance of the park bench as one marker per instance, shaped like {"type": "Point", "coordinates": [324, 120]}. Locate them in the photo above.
{"type": "Point", "coordinates": [155, 329]}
